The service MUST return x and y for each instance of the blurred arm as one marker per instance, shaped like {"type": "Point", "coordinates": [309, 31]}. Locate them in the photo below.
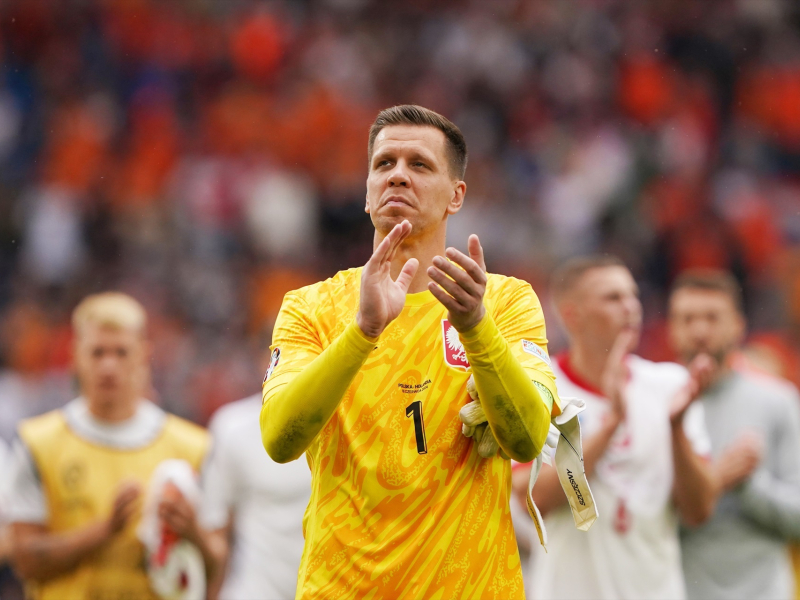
{"type": "Point", "coordinates": [695, 491]}
{"type": "Point", "coordinates": [39, 555]}
{"type": "Point", "coordinates": [773, 499]}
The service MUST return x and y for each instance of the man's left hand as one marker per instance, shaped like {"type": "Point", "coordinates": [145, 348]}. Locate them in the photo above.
{"type": "Point", "coordinates": [180, 516]}
{"type": "Point", "coordinates": [461, 284]}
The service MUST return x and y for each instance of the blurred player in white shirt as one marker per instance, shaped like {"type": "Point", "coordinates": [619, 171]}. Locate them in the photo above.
{"type": "Point", "coordinates": [5, 466]}
{"type": "Point", "coordinates": [643, 442]}
{"type": "Point", "coordinates": [251, 515]}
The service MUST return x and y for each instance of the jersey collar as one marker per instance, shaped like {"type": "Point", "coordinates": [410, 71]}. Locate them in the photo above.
{"type": "Point", "coordinates": [570, 373]}
{"type": "Point", "coordinates": [137, 432]}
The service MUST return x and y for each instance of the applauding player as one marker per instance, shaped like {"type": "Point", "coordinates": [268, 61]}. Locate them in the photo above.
{"type": "Point", "coordinates": [643, 444]}
{"type": "Point", "coordinates": [369, 371]}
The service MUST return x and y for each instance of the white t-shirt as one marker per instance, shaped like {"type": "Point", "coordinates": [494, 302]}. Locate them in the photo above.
{"type": "Point", "coordinates": [266, 500]}
{"type": "Point", "coordinates": [5, 481]}
{"type": "Point", "coordinates": [632, 550]}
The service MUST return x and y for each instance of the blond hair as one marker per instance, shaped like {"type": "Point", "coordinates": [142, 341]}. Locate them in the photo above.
{"type": "Point", "coordinates": [109, 309]}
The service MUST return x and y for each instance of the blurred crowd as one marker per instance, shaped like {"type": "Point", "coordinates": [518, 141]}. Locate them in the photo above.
{"type": "Point", "coordinates": [208, 156]}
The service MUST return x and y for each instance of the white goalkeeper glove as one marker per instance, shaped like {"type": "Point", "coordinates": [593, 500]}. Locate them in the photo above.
{"type": "Point", "coordinates": [475, 425]}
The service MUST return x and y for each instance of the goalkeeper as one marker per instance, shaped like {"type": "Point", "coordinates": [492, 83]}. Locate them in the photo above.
{"type": "Point", "coordinates": [369, 372]}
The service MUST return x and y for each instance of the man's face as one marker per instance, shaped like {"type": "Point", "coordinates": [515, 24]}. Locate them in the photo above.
{"type": "Point", "coordinates": [704, 321]}
{"type": "Point", "coordinates": [111, 364]}
{"type": "Point", "coordinates": [409, 178]}
{"type": "Point", "coordinates": [605, 301]}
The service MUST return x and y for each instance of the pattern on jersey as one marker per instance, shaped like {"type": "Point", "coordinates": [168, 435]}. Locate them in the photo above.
{"type": "Point", "coordinates": [383, 519]}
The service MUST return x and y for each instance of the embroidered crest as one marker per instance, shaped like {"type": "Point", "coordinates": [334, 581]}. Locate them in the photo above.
{"type": "Point", "coordinates": [273, 362]}
{"type": "Point", "coordinates": [454, 353]}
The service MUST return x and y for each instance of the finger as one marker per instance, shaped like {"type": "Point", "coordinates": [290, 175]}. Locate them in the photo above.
{"type": "Point", "coordinates": [700, 370]}
{"type": "Point", "coordinates": [472, 267]}
{"type": "Point", "coordinates": [129, 488]}
{"type": "Point", "coordinates": [620, 348]}
{"type": "Point", "coordinates": [462, 296]}
{"type": "Point", "coordinates": [460, 276]}
{"type": "Point", "coordinates": [471, 414]}
{"type": "Point", "coordinates": [407, 273]}
{"type": "Point", "coordinates": [398, 234]}
{"type": "Point", "coordinates": [387, 244]}
{"type": "Point", "coordinates": [404, 233]}
{"type": "Point", "coordinates": [448, 301]}
{"type": "Point", "coordinates": [476, 251]}
{"type": "Point", "coordinates": [488, 446]}
{"type": "Point", "coordinates": [472, 389]}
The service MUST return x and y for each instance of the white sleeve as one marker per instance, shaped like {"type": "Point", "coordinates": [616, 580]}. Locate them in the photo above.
{"type": "Point", "coordinates": [26, 499]}
{"type": "Point", "coordinates": [694, 426]}
{"type": "Point", "coordinates": [5, 472]}
{"type": "Point", "coordinates": [218, 479]}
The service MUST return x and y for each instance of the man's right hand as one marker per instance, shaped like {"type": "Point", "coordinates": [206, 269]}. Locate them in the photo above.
{"type": "Point", "coordinates": [739, 460]}
{"type": "Point", "coordinates": [615, 374]}
{"type": "Point", "coordinates": [126, 503]}
{"type": "Point", "coordinates": [382, 299]}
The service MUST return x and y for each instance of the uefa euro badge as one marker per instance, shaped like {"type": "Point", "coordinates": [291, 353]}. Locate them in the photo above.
{"type": "Point", "coordinates": [273, 362]}
{"type": "Point", "coordinates": [454, 353]}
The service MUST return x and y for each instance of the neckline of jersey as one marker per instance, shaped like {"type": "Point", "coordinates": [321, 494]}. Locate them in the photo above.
{"type": "Point", "coordinates": [420, 298]}
{"type": "Point", "coordinates": [566, 368]}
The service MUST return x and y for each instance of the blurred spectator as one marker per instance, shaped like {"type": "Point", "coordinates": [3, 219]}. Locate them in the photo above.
{"type": "Point", "coordinates": [754, 424]}
{"type": "Point", "coordinates": [9, 587]}
{"type": "Point", "coordinates": [77, 472]}
{"type": "Point", "coordinates": [643, 442]}
{"type": "Point", "coordinates": [189, 153]}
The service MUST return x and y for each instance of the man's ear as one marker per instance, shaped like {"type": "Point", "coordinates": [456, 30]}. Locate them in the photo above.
{"type": "Point", "coordinates": [457, 200]}
{"type": "Point", "coordinates": [567, 312]}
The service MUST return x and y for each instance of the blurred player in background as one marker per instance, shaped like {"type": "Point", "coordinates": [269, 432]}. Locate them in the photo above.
{"type": "Point", "coordinates": [369, 371]}
{"type": "Point", "coordinates": [9, 587]}
{"type": "Point", "coordinates": [250, 524]}
{"type": "Point", "coordinates": [754, 424]}
{"type": "Point", "coordinates": [643, 443]}
{"type": "Point", "coordinates": [78, 472]}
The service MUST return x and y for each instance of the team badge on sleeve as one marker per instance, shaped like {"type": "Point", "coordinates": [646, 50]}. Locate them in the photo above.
{"type": "Point", "coordinates": [454, 353]}
{"type": "Point", "coordinates": [536, 350]}
{"type": "Point", "coordinates": [273, 362]}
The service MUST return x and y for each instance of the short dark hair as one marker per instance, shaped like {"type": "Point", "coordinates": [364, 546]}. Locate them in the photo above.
{"type": "Point", "coordinates": [711, 280]}
{"type": "Point", "coordinates": [564, 278]}
{"type": "Point", "coordinates": [411, 114]}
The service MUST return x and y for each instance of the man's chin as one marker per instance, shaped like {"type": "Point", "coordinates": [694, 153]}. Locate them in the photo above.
{"type": "Point", "coordinates": [719, 357]}
{"type": "Point", "coordinates": [384, 223]}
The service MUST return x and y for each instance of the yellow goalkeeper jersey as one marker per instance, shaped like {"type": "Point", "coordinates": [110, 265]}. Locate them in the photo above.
{"type": "Point", "coordinates": [402, 506]}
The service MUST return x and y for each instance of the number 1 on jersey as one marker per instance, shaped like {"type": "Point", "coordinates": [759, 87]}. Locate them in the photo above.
{"type": "Point", "coordinates": [415, 408]}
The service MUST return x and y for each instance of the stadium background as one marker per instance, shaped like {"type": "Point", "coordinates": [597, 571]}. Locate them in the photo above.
{"type": "Point", "coordinates": [207, 156]}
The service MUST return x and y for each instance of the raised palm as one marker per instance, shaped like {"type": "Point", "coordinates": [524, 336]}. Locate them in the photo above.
{"type": "Point", "coordinates": [382, 298]}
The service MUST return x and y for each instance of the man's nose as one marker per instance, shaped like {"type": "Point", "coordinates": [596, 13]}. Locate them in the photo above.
{"type": "Point", "coordinates": [398, 176]}
{"type": "Point", "coordinates": [699, 330]}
